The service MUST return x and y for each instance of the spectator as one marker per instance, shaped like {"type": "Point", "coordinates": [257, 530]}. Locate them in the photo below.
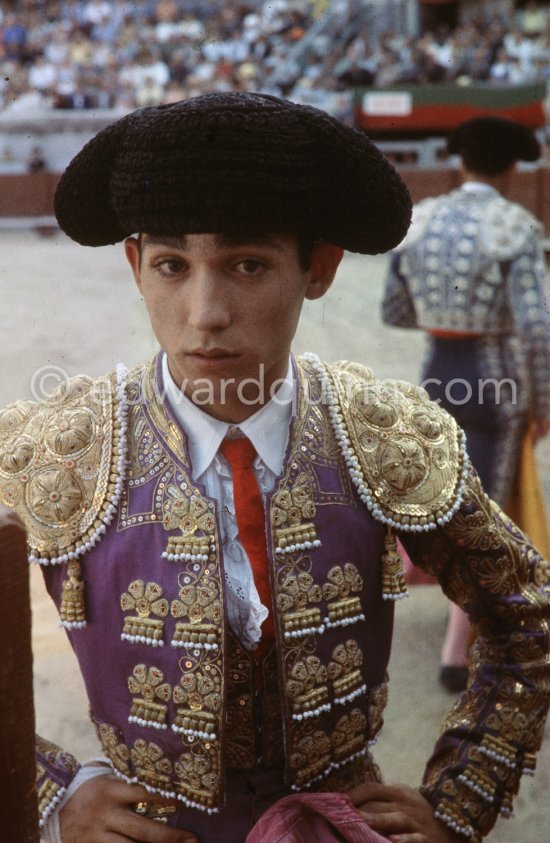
{"type": "Point", "coordinates": [14, 37]}
{"type": "Point", "coordinates": [36, 162]}
{"type": "Point", "coordinates": [253, 46]}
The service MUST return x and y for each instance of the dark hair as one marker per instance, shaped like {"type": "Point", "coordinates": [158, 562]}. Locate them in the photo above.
{"type": "Point", "coordinates": [305, 251]}
{"type": "Point", "coordinates": [489, 145]}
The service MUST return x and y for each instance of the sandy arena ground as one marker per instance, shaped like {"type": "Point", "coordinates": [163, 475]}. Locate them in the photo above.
{"type": "Point", "coordinates": [70, 310]}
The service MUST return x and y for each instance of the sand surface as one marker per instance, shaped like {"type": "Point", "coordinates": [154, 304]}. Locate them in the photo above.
{"type": "Point", "coordinates": [70, 310]}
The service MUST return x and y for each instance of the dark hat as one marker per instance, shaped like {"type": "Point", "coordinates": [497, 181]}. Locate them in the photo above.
{"type": "Point", "coordinates": [235, 163]}
{"type": "Point", "coordinates": [488, 145]}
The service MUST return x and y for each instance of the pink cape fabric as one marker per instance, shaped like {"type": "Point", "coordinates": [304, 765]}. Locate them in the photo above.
{"type": "Point", "coordinates": [313, 818]}
{"type": "Point", "coordinates": [413, 575]}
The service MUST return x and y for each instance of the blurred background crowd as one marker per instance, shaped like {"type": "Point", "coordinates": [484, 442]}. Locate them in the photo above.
{"type": "Point", "coordinates": [123, 54]}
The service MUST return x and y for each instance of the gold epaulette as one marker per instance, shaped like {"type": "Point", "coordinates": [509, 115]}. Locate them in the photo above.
{"type": "Point", "coordinates": [62, 463]}
{"type": "Point", "coordinates": [404, 453]}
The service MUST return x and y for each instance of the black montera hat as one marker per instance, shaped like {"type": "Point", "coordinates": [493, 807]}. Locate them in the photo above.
{"type": "Point", "coordinates": [234, 163]}
{"type": "Point", "coordinates": [489, 145]}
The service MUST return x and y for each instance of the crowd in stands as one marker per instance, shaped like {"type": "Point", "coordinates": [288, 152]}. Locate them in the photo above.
{"type": "Point", "coordinates": [123, 54]}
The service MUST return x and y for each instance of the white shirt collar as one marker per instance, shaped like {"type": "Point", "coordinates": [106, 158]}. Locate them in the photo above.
{"type": "Point", "coordinates": [478, 186]}
{"type": "Point", "coordinates": [267, 429]}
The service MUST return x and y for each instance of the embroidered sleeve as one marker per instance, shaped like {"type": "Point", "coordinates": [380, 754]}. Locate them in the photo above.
{"type": "Point", "coordinates": [62, 464]}
{"type": "Point", "coordinates": [529, 303]}
{"type": "Point", "coordinates": [494, 730]}
{"type": "Point", "coordinates": [55, 769]}
{"type": "Point", "coordinates": [397, 304]}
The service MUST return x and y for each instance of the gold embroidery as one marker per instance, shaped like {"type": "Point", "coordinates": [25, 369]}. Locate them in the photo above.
{"type": "Point", "coordinates": [49, 793]}
{"type": "Point", "coordinates": [292, 514]}
{"type": "Point", "coordinates": [499, 750]}
{"type": "Point", "coordinates": [53, 496]}
{"type": "Point", "coordinates": [408, 452]}
{"type": "Point", "coordinates": [311, 759]}
{"type": "Point", "coordinates": [297, 591]}
{"type": "Point", "coordinates": [197, 774]}
{"type": "Point", "coordinates": [307, 689]}
{"type": "Point", "coordinates": [378, 699]}
{"type": "Point", "coordinates": [393, 575]}
{"type": "Point", "coordinates": [149, 682]}
{"type": "Point", "coordinates": [479, 782]}
{"type": "Point", "coordinates": [147, 600]}
{"type": "Point", "coordinates": [71, 433]}
{"type": "Point", "coordinates": [18, 456]}
{"type": "Point", "coordinates": [348, 738]}
{"type": "Point", "coordinates": [344, 671]}
{"type": "Point", "coordinates": [342, 584]}
{"type": "Point", "coordinates": [73, 609]}
{"type": "Point", "coordinates": [199, 692]}
{"type": "Point", "coordinates": [152, 767]}
{"type": "Point", "coordinates": [115, 750]}
{"type": "Point", "coordinates": [53, 446]}
{"type": "Point", "coordinates": [355, 772]}
{"type": "Point", "coordinates": [191, 515]}
{"type": "Point", "coordinates": [200, 603]}
{"type": "Point", "coordinates": [452, 815]}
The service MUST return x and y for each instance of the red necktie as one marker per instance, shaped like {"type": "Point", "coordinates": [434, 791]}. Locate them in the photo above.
{"type": "Point", "coordinates": [249, 512]}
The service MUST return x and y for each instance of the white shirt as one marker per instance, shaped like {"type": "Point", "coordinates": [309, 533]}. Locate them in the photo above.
{"type": "Point", "coordinates": [267, 429]}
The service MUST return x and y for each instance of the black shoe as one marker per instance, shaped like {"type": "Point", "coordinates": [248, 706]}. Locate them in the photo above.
{"type": "Point", "coordinates": [453, 678]}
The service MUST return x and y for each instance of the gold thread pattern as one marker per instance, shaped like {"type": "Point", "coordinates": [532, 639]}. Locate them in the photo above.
{"type": "Point", "coordinates": [198, 696]}
{"type": "Point", "coordinates": [59, 463]}
{"type": "Point", "coordinates": [146, 600]}
{"type": "Point", "coordinates": [307, 688]}
{"type": "Point", "coordinates": [298, 617]}
{"type": "Point", "coordinates": [197, 776]}
{"type": "Point", "coordinates": [292, 514]}
{"type": "Point", "coordinates": [195, 521]}
{"type": "Point", "coordinates": [146, 710]}
{"type": "Point", "coordinates": [344, 670]}
{"type": "Point", "coordinates": [340, 591]}
{"type": "Point", "coordinates": [72, 610]}
{"type": "Point", "coordinates": [200, 604]}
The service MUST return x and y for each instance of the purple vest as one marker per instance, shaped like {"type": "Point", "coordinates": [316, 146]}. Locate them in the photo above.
{"type": "Point", "coordinates": [155, 651]}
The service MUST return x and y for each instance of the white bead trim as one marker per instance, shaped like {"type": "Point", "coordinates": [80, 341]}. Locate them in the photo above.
{"type": "Point", "coordinates": [292, 548]}
{"type": "Point", "coordinates": [497, 757]}
{"type": "Point", "coordinates": [142, 639]}
{"type": "Point", "coordinates": [468, 832]}
{"type": "Point", "coordinates": [194, 733]}
{"type": "Point", "coordinates": [50, 808]}
{"type": "Point", "coordinates": [476, 788]}
{"type": "Point", "coordinates": [305, 715]}
{"type": "Point", "coordinates": [122, 417]}
{"type": "Point", "coordinates": [343, 621]}
{"type": "Point", "coordinates": [351, 696]}
{"type": "Point", "coordinates": [149, 723]}
{"type": "Point", "coordinates": [189, 645]}
{"type": "Point", "coordinates": [185, 557]}
{"type": "Point", "coordinates": [167, 794]}
{"type": "Point", "coordinates": [365, 493]}
{"type": "Point", "coordinates": [308, 630]}
{"type": "Point", "coordinates": [334, 765]}
{"type": "Point", "coordinates": [73, 624]}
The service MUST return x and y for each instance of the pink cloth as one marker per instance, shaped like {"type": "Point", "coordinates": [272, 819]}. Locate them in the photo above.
{"type": "Point", "coordinates": [413, 575]}
{"type": "Point", "coordinates": [313, 818]}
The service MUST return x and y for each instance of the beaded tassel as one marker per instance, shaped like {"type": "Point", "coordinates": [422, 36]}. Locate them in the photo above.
{"type": "Point", "coordinates": [73, 609]}
{"type": "Point", "coordinates": [393, 576]}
